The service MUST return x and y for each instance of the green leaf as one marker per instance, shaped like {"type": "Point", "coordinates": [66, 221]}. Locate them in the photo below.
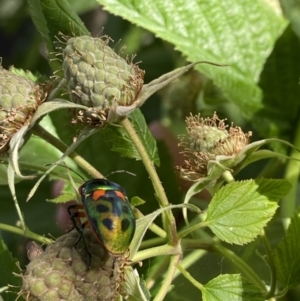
{"type": "Point", "coordinates": [120, 142]}
{"type": "Point", "coordinates": [239, 33]}
{"type": "Point", "coordinates": [292, 12]}
{"type": "Point", "coordinates": [8, 267]}
{"type": "Point", "coordinates": [133, 286]}
{"type": "Point", "coordinates": [64, 198]}
{"type": "Point", "coordinates": [194, 189]}
{"type": "Point", "coordinates": [287, 255]}
{"type": "Point", "coordinates": [273, 189]}
{"type": "Point", "coordinates": [15, 144]}
{"type": "Point", "coordinates": [33, 157]}
{"type": "Point", "coordinates": [83, 135]}
{"type": "Point", "coordinates": [143, 224]}
{"type": "Point", "coordinates": [11, 184]}
{"type": "Point", "coordinates": [279, 81]}
{"type": "Point", "coordinates": [36, 12]}
{"type": "Point", "coordinates": [50, 106]}
{"type": "Point", "coordinates": [3, 175]}
{"type": "Point", "coordinates": [231, 287]}
{"type": "Point", "coordinates": [159, 83]}
{"type": "Point", "coordinates": [26, 74]}
{"type": "Point", "coordinates": [137, 201]}
{"type": "Point", "coordinates": [37, 153]}
{"type": "Point", "coordinates": [18, 139]}
{"type": "Point", "coordinates": [240, 210]}
{"type": "Point", "coordinates": [81, 7]}
{"type": "Point", "coordinates": [52, 17]}
{"type": "Point", "coordinates": [251, 153]}
{"type": "Point", "coordinates": [61, 17]}
{"type": "Point", "coordinates": [141, 127]}
{"type": "Point", "coordinates": [248, 155]}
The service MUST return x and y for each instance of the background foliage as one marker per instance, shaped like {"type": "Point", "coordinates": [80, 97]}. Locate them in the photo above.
{"type": "Point", "coordinates": [259, 90]}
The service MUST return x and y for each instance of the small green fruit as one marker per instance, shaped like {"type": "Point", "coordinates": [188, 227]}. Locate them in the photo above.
{"type": "Point", "coordinates": [61, 272]}
{"type": "Point", "coordinates": [99, 78]}
{"type": "Point", "coordinates": [19, 99]}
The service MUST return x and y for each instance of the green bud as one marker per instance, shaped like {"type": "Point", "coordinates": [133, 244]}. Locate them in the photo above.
{"type": "Point", "coordinates": [62, 272]}
{"type": "Point", "coordinates": [99, 78]}
{"type": "Point", "coordinates": [208, 139]}
{"type": "Point", "coordinates": [19, 99]}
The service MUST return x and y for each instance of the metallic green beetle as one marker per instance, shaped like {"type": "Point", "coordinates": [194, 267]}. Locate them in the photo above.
{"type": "Point", "coordinates": [108, 213]}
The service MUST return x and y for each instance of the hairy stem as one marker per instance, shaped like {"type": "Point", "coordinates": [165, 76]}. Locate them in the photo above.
{"type": "Point", "coordinates": [169, 221]}
{"type": "Point", "coordinates": [153, 227]}
{"type": "Point", "coordinates": [190, 260]}
{"type": "Point", "coordinates": [156, 251]}
{"type": "Point", "coordinates": [288, 203]}
{"type": "Point", "coordinates": [156, 272]}
{"type": "Point", "coordinates": [26, 233]}
{"type": "Point", "coordinates": [227, 176]}
{"type": "Point", "coordinates": [146, 244]}
{"type": "Point", "coordinates": [168, 278]}
{"type": "Point", "coordinates": [241, 265]}
{"type": "Point", "coordinates": [271, 264]}
{"type": "Point", "coordinates": [42, 133]}
{"type": "Point", "coordinates": [189, 277]}
{"type": "Point", "coordinates": [11, 175]}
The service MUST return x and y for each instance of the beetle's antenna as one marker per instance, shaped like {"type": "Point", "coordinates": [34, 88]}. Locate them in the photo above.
{"type": "Point", "coordinates": [121, 171]}
{"type": "Point", "coordinates": [69, 168]}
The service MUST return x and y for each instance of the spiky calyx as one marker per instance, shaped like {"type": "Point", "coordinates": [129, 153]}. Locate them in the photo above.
{"type": "Point", "coordinates": [99, 78]}
{"type": "Point", "coordinates": [206, 139]}
{"type": "Point", "coordinates": [19, 99]}
{"type": "Point", "coordinates": [62, 272]}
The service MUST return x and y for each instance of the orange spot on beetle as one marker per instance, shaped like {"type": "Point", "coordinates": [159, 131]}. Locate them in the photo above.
{"type": "Point", "coordinates": [98, 194]}
{"type": "Point", "coordinates": [120, 194]}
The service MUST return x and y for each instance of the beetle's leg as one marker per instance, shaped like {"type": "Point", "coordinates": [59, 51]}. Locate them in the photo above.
{"type": "Point", "coordinates": [73, 211]}
{"type": "Point", "coordinates": [75, 218]}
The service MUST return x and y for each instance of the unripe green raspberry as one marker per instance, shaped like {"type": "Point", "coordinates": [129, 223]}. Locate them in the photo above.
{"type": "Point", "coordinates": [207, 140]}
{"type": "Point", "coordinates": [62, 272]}
{"type": "Point", "coordinates": [98, 77]}
{"type": "Point", "coordinates": [19, 99]}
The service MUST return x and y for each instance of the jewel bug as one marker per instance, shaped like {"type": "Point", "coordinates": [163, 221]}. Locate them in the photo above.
{"type": "Point", "coordinates": [108, 212]}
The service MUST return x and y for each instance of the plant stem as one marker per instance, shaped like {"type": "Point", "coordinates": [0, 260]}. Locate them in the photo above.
{"type": "Point", "coordinates": [271, 264]}
{"type": "Point", "coordinates": [156, 251]}
{"type": "Point", "coordinates": [288, 203]}
{"type": "Point", "coordinates": [42, 133]}
{"type": "Point", "coordinates": [241, 265]}
{"type": "Point", "coordinates": [151, 242]}
{"type": "Point", "coordinates": [169, 221]}
{"type": "Point", "coordinates": [153, 227]}
{"type": "Point", "coordinates": [56, 90]}
{"type": "Point", "coordinates": [3, 289]}
{"type": "Point", "coordinates": [168, 278]}
{"type": "Point", "coordinates": [40, 168]}
{"type": "Point", "coordinates": [189, 277]}
{"type": "Point", "coordinates": [160, 267]}
{"type": "Point", "coordinates": [157, 271]}
{"type": "Point", "coordinates": [192, 244]}
{"type": "Point", "coordinates": [189, 260]}
{"type": "Point", "coordinates": [271, 169]}
{"type": "Point", "coordinates": [11, 184]}
{"type": "Point", "coordinates": [190, 229]}
{"type": "Point", "coordinates": [227, 176]}
{"type": "Point", "coordinates": [26, 233]}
